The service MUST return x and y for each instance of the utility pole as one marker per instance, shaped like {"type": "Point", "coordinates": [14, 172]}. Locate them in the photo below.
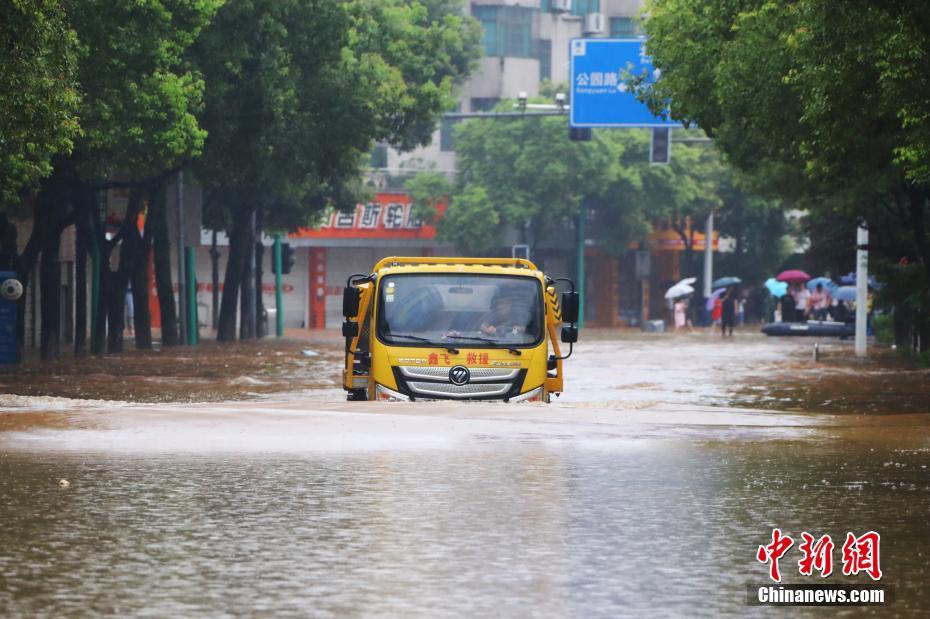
{"type": "Point", "coordinates": [182, 271]}
{"type": "Point", "coordinates": [708, 255]}
{"type": "Point", "coordinates": [862, 286]}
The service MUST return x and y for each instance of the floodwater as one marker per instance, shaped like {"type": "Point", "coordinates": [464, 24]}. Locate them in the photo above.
{"type": "Point", "coordinates": [645, 490]}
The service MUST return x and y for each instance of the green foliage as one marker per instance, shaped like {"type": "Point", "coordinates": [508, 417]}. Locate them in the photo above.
{"type": "Point", "coordinates": [427, 190]}
{"type": "Point", "coordinates": [297, 90]}
{"type": "Point", "coordinates": [38, 93]}
{"type": "Point", "coordinates": [822, 104]}
{"type": "Point", "coordinates": [884, 329]}
{"type": "Point", "coordinates": [140, 97]}
{"type": "Point", "coordinates": [538, 180]}
{"type": "Point", "coordinates": [472, 222]}
{"type": "Point", "coordinates": [529, 170]}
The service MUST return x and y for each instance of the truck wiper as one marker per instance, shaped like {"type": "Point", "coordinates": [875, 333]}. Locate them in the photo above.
{"type": "Point", "coordinates": [451, 349]}
{"type": "Point", "coordinates": [478, 338]}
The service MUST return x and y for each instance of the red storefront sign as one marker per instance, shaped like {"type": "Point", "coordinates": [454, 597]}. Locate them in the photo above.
{"type": "Point", "coordinates": [388, 216]}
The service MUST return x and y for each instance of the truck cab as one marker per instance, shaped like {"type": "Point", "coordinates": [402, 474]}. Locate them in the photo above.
{"type": "Point", "coordinates": [456, 329]}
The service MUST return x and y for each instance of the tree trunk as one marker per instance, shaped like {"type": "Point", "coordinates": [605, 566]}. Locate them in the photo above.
{"type": "Point", "coordinates": [260, 330]}
{"type": "Point", "coordinates": [139, 277]}
{"type": "Point", "coordinates": [247, 297]}
{"type": "Point", "coordinates": [162, 258]}
{"type": "Point", "coordinates": [25, 264]}
{"type": "Point", "coordinates": [917, 199]}
{"type": "Point", "coordinates": [50, 288]}
{"type": "Point", "coordinates": [84, 237]}
{"type": "Point", "coordinates": [901, 331]}
{"type": "Point", "coordinates": [119, 279]}
{"type": "Point", "coordinates": [104, 248]}
{"type": "Point", "coordinates": [238, 242]}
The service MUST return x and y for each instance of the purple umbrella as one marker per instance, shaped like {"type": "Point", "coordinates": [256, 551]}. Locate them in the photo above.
{"type": "Point", "coordinates": [713, 297]}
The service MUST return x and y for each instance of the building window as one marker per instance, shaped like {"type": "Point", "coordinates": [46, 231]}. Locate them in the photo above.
{"type": "Point", "coordinates": [623, 27]}
{"type": "Point", "coordinates": [484, 104]}
{"type": "Point", "coordinates": [508, 30]}
{"type": "Point", "coordinates": [579, 7]}
{"type": "Point", "coordinates": [583, 7]}
{"type": "Point", "coordinates": [544, 53]}
{"type": "Point", "coordinates": [447, 135]}
{"type": "Point", "coordinates": [379, 156]}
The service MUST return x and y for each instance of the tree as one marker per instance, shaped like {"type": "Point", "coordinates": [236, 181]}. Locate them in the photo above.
{"type": "Point", "coordinates": [824, 105]}
{"type": "Point", "coordinates": [297, 91]}
{"type": "Point", "coordinates": [428, 189]}
{"type": "Point", "coordinates": [529, 172]}
{"type": "Point", "coordinates": [140, 125]}
{"type": "Point", "coordinates": [136, 111]}
{"type": "Point", "coordinates": [38, 93]}
{"type": "Point", "coordinates": [539, 181]}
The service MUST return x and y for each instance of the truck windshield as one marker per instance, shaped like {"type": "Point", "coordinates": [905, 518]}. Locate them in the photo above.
{"type": "Point", "coordinates": [475, 311]}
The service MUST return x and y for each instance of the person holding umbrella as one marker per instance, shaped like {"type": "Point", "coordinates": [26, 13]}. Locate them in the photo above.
{"type": "Point", "coordinates": [728, 311]}
{"type": "Point", "coordinates": [799, 294]}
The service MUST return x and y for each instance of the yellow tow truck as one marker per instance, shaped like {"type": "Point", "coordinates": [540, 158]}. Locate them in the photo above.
{"type": "Point", "coordinates": [426, 328]}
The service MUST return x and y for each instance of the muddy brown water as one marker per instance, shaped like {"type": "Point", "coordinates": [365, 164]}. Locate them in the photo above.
{"type": "Point", "coordinates": [645, 490]}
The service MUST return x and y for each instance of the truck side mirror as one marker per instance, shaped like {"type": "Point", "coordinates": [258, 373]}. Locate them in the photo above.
{"type": "Point", "coordinates": [569, 307]}
{"type": "Point", "coordinates": [570, 334]}
{"type": "Point", "coordinates": [350, 300]}
{"type": "Point", "coordinates": [349, 329]}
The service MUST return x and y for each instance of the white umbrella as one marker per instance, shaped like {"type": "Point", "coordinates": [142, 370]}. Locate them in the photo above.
{"type": "Point", "coordinates": [688, 281]}
{"type": "Point", "coordinates": [678, 290]}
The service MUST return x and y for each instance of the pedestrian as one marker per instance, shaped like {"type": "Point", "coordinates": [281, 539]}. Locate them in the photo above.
{"type": "Point", "coordinates": [680, 311]}
{"type": "Point", "coordinates": [715, 313]}
{"type": "Point", "coordinates": [787, 308]}
{"type": "Point", "coordinates": [819, 303]}
{"type": "Point", "coordinates": [728, 311]}
{"type": "Point", "coordinates": [801, 301]}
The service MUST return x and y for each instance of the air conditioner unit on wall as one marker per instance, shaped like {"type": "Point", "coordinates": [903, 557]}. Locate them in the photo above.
{"type": "Point", "coordinates": [595, 23]}
{"type": "Point", "coordinates": [560, 6]}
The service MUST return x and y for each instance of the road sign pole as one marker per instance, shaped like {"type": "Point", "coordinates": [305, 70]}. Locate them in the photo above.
{"type": "Point", "coordinates": [862, 287]}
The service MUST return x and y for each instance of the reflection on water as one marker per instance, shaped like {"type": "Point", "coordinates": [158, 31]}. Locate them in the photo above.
{"type": "Point", "coordinates": [505, 530]}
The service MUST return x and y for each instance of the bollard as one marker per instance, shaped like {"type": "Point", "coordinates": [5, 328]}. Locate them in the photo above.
{"type": "Point", "coordinates": [816, 353]}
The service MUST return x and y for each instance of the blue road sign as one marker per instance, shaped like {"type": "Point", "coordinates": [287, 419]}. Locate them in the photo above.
{"type": "Point", "coordinates": [600, 94]}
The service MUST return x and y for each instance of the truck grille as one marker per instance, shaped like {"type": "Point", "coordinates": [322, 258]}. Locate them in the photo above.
{"type": "Point", "coordinates": [478, 375]}
{"type": "Point", "coordinates": [484, 383]}
{"type": "Point", "coordinates": [448, 390]}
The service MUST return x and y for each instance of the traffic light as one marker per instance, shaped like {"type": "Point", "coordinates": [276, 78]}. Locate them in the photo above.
{"type": "Point", "coordinates": [660, 149]}
{"type": "Point", "coordinates": [579, 134]}
{"type": "Point", "coordinates": [287, 259]}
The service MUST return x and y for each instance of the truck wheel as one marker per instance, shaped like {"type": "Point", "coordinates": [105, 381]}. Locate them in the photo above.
{"type": "Point", "coordinates": [357, 395]}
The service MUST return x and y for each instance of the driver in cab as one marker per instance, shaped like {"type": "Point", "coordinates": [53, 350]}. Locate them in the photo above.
{"type": "Point", "coordinates": [508, 316]}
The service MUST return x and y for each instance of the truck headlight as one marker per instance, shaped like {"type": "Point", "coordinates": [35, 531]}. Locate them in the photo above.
{"type": "Point", "coordinates": [383, 394]}
{"type": "Point", "coordinates": [533, 395]}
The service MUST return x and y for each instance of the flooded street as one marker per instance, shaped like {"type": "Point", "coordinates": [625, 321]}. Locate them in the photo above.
{"type": "Point", "coordinates": [252, 489]}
